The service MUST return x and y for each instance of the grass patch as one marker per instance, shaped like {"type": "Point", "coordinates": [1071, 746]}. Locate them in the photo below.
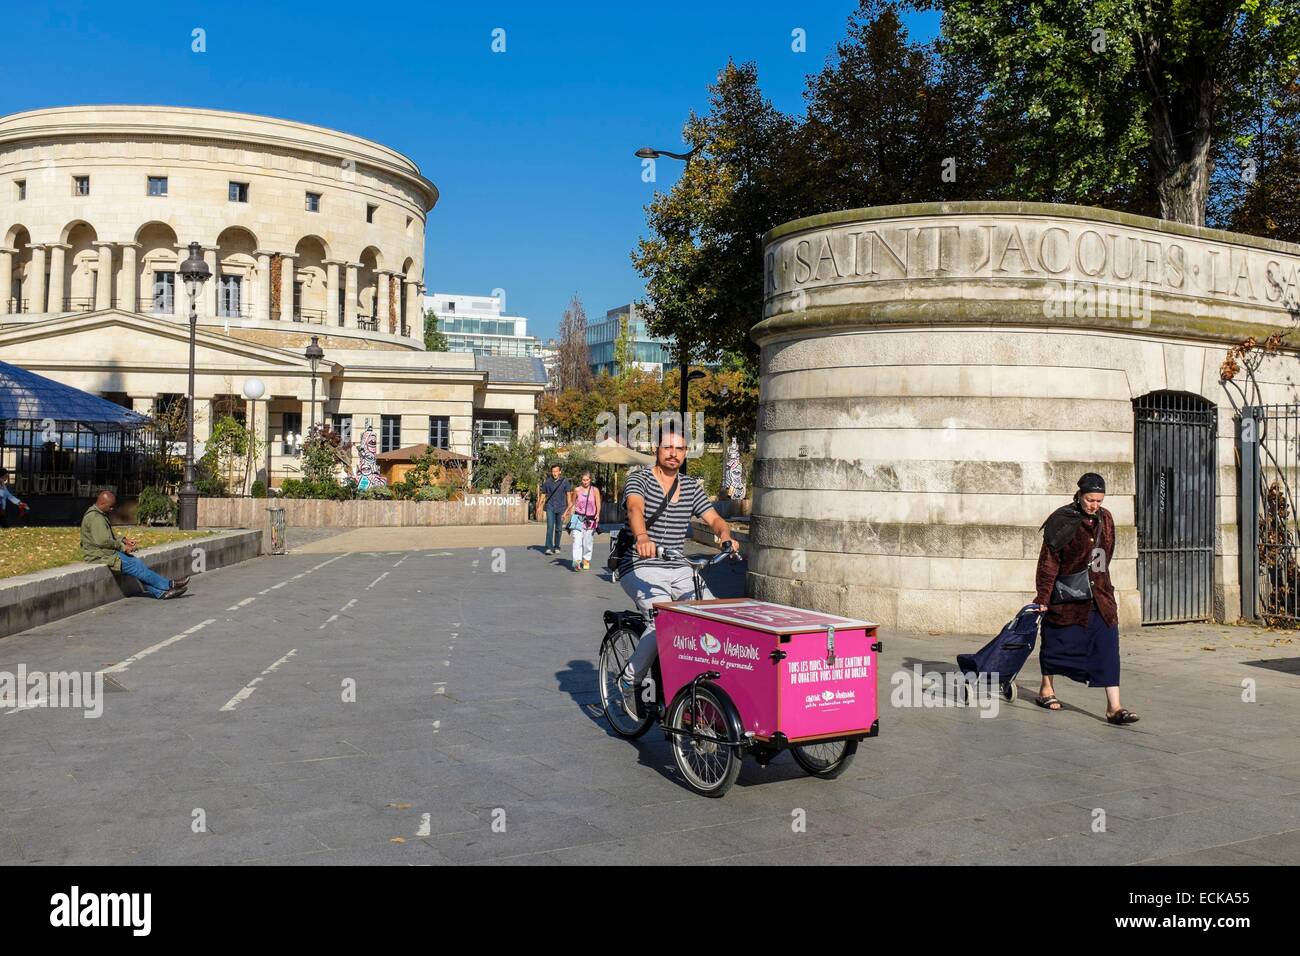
{"type": "Point", "coordinates": [24, 550]}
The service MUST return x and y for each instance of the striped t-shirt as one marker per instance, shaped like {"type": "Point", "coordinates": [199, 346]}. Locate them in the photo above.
{"type": "Point", "coordinates": [670, 528]}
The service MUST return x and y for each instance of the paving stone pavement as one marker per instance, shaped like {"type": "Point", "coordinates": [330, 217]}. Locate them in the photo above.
{"type": "Point", "coordinates": [227, 737]}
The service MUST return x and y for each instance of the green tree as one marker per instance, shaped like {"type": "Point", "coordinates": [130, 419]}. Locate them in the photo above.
{"type": "Point", "coordinates": [434, 341]}
{"type": "Point", "coordinates": [1124, 101]}
{"type": "Point", "coordinates": [624, 353]}
{"type": "Point", "coordinates": [226, 447]}
{"type": "Point", "coordinates": [703, 262]}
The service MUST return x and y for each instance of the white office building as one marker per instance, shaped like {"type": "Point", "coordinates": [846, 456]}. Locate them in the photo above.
{"type": "Point", "coordinates": [475, 323]}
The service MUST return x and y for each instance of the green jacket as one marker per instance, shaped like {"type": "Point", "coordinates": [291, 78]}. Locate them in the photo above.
{"type": "Point", "coordinates": [99, 544]}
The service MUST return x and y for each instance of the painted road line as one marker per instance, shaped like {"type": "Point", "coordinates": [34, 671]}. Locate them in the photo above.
{"type": "Point", "coordinates": [247, 691]}
{"type": "Point", "coordinates": [348, 605]}
{"type": "Point", "coordinates": [330, 561]}
{"type": "Point", "coordinates": [426, 825]}
{"type": "Point", "coordinates": [331, 619]}
{"type": "Point", "coordinates": [376, 580]}
{"type": "Point", "coordinates": [244, 603]}
{"type": "Point", "coordinates": [153, 649]}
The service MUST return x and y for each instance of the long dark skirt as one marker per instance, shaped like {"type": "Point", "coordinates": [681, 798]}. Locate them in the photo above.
{"type": "Point", "coordinates": [1085, 653]}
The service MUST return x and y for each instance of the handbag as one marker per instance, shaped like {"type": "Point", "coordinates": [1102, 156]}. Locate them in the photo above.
{"type": "Point", "coordinates": [626, 540]}
{"type": "Point", "coordinates": [1072, 588]}
{"type": "Point", "coordinates": [575, 522]}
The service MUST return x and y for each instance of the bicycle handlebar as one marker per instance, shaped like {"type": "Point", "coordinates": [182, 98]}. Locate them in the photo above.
{"type": "Point", "coordinates": [677, 554]}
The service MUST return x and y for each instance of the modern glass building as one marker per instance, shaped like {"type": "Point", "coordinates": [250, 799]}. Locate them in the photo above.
{"type": "Point", "coordinates": [474, 323]}
{"type": "Point", "coordinates": [652, 354]}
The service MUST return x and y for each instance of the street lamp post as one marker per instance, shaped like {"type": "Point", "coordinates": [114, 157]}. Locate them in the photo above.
{"type": "Point", "coordinates": [314, 354]}
{"type": "Point", "coordinates": [253, 390]}
{"type": "Point", "coordinates": [194, 271]}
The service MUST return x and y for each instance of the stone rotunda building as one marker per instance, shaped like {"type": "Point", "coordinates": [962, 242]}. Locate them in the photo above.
{"type": "Point", "coordinates": [307, 232]}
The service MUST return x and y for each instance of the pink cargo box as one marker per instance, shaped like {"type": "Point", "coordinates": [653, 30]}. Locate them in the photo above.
{"type": "Point", "coordinates": [791, 673]}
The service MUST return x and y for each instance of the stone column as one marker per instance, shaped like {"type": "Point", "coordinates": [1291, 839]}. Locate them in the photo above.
{"type": "Point", "coordinates": [58, 268]}
{"type": "Point", "coordinates": [286, 286]}
{"type": "Point", "coordinates": [332, 316]}
{"type": "Point", "coordinates": [37, 281]}
{"type": "Point", "coordinates": [263, 312]}
{"type": "Point", "coordinates": [128, 284]}
{"type": "Point", "coordinates": [350, 296]}
{"type": "Point", "coordinates": [382, 313]}
{"type": "Point", "coordinates": [6, 278]}
{"type": "Point", "coordinates": [208, 307]}
{"type": "Point", "coordinates": [414, 313]}
{"type": "Point", "coordinates": [104, 276]}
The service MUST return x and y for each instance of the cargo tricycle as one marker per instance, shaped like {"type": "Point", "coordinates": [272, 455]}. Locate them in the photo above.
{"type": "Point", "coordinates": [736, 676]}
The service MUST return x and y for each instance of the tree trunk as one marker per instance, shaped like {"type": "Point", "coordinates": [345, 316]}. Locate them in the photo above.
{"type": "Point", "coordinates": [1181, 116]}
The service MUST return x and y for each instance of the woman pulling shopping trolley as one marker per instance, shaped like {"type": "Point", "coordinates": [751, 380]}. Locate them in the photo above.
{"type": "Point", "coordinates": [1081, 628]}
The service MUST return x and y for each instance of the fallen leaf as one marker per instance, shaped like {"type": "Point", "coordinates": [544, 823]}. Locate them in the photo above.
{"type": "Point", "coordinates": [399, 806]}
{"type": "Point", "coordinates": [397, 840]}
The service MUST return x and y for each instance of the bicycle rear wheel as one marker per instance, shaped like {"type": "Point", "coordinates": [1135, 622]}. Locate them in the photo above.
{"type": "Point", "coordinates": [615, 652]}
{"type": "Point", "coordinates": [826, 760]}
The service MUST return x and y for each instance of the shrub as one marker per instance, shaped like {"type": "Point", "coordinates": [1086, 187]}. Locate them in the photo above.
{"type": "Point", "coordinates": [259, 488]}
{"type": "Point", "coordinates": [432, 493]}
{"type": "Point", "coordinates": [707, 468]}
{"type": "Point", "coordinates": [377, 493]}
{"type": "Point", "coordinates": [153, 507]}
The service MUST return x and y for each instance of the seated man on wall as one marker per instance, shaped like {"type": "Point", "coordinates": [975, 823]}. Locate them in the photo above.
{"type": "Point", "coordinates": [101, 545]}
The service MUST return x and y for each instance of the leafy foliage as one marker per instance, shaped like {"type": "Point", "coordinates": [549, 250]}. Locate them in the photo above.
{"type": "Point", "coordinates": [434, 340]}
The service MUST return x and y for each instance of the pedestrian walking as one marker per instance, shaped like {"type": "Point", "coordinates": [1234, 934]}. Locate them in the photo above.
{"type": "Point", "coordinates": [554, 500]}
{"type": "Point", "coordinates": [582, 519]}
{"type": "Point", "coordinates": [1081, 627]}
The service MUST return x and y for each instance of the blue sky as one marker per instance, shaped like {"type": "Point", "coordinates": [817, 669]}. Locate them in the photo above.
{"type": "Point", "coordinates": [531, 148]}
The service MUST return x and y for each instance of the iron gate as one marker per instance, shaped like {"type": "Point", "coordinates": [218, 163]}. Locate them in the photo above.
{"type": "Point", "coordinates": [1269, 444]}
{"type": "Point", "coordinates": [1174, 472]}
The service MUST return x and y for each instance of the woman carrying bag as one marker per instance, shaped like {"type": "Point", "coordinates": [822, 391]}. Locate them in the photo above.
{"type": "Point", "coordinates": [583, 516]}
{"type": "Point", "coordinates": [1081, 628]}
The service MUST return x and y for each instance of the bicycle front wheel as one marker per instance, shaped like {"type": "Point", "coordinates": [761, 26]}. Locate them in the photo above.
{"type": "Point", "coordinates": [709, 764]}
{"type": "Point", "coordinates": [615, 652]}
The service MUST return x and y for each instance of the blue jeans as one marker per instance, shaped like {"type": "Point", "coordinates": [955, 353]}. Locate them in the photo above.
{"type": "Point", "coordinates": [155, 584]}
{"type": "Point", "coordinates": [554, 529]}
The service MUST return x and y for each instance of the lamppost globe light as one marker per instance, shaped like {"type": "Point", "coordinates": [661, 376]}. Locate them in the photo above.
{"type": "Point", "coordinates": [645, 152]}
{"type": "Point", "coordinates": [254, 388]}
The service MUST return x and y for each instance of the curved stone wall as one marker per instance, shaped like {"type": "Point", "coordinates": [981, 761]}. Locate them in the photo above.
{"type": "Point", "coordinates": [935, 378]}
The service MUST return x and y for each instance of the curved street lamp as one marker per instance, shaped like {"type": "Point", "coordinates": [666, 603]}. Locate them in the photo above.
{"type": "Point", "coordinates": [194, 271]}
{"type": "Point", "coordinates": [683, 353]}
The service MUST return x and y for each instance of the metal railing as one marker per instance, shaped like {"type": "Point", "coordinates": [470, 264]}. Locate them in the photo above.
{"type": "Point", "coordinates": [367, 323]}
{"type": "Point", "coordinates": [16, 306]}
{"type": "Point", "coordinates": [79, 303]}
{"type": "Point", "coordinates": [310, 316]}
{"type": "Point", "coordinates": [1269, 442]}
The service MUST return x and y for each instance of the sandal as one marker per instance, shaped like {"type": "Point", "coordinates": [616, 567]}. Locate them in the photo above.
{"type": "Point", "coordinates": [1048, 702]}
{"type": "Point", "coordinates": [1122, 716]}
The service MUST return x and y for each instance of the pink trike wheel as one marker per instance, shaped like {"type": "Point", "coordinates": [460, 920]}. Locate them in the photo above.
{"type": "Point", "coordinates": [826, 759]}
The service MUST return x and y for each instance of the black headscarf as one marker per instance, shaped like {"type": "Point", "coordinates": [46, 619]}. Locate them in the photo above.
{"type": "Point", "coordinates": [1061, 524]}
